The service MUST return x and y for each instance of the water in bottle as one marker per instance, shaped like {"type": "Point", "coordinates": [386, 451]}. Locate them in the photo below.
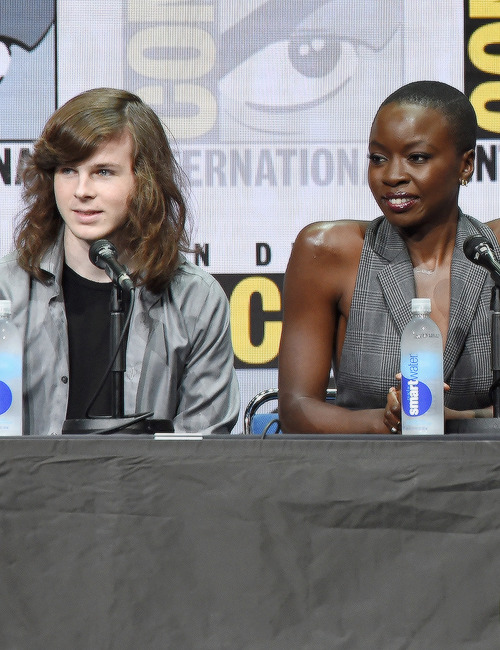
{"type": "Point", "coordinates": [422, 393]}
{"type": "Point", "coordinates": [11, 363]}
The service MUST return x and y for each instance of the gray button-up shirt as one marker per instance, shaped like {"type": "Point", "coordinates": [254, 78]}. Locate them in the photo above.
{"type": "Point", "coordinates": [179, 360]}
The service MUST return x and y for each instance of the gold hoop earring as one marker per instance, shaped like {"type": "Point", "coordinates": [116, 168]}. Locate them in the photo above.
{"type": "Point", "coordinates": [464, 182]}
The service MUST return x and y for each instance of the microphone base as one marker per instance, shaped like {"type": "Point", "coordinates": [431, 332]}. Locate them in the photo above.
{"type": "Point", "coordinates": [484, 426]}
{"type": "Point", "coordinates": [133, 424]}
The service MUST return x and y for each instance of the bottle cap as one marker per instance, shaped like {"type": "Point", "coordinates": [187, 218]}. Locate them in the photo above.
{"type": "Point", "coordinates": [5, 308]}
{"type": "Point", "coordinates": [421, 306]}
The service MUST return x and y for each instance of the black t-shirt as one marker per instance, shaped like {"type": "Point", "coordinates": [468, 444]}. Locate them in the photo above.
{"type": "Point", "coordinates": [87, 306]}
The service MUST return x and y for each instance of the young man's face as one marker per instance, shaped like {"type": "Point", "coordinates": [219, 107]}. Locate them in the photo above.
{"type": "Point", "coordinates": [93, 196]}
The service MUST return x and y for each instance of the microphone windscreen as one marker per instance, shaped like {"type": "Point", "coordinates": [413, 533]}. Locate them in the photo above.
{"type": "Point", "coordinates": [101, 248]}
{"type": "Point", "coordinates": [472, 244]}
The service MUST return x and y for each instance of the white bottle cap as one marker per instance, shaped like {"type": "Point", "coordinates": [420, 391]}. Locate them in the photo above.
{"type": "Point", "coordinates": [421, 306]}
{"type": "Point", "coordinates": [5, 308]}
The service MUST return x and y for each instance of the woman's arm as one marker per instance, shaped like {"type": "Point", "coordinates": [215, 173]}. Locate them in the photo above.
{"type": "Point", "coordinates": [319, 283]}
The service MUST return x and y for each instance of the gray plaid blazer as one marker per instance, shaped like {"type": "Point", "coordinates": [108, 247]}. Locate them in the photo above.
{"type": "Point", "coordinates": [381, 307]}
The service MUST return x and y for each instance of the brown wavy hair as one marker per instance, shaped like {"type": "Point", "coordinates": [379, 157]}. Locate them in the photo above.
{"type": "Point", "coordinates": [155, 231]}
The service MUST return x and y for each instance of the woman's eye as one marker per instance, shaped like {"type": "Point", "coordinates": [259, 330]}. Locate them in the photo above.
{"type": "Point", "coordinates": [376, 158]}
{"type": "Point", "coordinates": [419, 157]}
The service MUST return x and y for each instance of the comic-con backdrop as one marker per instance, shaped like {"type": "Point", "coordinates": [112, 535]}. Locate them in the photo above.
{"type": "Point", "coordinates": [268, 104]}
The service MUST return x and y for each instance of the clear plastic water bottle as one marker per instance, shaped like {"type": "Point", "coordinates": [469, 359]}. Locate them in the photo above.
{"type": "Point", "coordinates": [11, 369]}
{"type": "Point", "coordinates": [422, 393]}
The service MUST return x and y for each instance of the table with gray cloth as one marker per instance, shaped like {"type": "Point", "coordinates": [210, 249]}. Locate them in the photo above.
{"type": "Point", "coordinates": [248, 543]}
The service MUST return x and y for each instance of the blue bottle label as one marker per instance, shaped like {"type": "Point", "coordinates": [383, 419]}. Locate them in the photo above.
{"type": "Point", "coordinates": [416, 396]}
{"type": "Point", "coordinates": [5, 397]}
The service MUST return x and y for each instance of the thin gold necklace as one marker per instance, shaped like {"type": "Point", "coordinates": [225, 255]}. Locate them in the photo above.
{"type": "Point", "coordinates": [424, 271]}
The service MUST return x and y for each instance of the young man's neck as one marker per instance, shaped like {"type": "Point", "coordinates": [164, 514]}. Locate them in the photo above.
{"type": "Point", "coordinates": [76, 256]}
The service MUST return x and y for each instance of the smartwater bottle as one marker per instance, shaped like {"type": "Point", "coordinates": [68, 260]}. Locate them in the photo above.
{"type": "Point", "coordinates": [11, 365]}
{"type": "Point", "coordinates": [422, 393]}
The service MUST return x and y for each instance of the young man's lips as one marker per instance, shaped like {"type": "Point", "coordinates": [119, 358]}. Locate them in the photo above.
{"type": "Point", "coordinates": [86, 213]}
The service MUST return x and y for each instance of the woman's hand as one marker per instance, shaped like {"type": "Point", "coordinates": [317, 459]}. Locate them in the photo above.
{"type": "Point", "coordinates": [392, 411]}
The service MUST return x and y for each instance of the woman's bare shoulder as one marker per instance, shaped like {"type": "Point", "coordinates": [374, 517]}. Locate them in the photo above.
{"type": "Point", "coordinates": [495, 226]}
{"type": "Point", "coordinates": [332, 236]}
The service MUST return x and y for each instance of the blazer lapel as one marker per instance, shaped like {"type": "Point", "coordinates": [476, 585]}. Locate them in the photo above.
{"type": "Point", "coordinates": [467, 281]}
{"type": "Point", "coordinates": [398, 286]}
{"type": "Point", "coordinates": [396, 279]}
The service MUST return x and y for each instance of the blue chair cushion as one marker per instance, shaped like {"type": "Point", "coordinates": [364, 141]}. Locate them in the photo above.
{"type": "Point", "coordinates": [261, 420]}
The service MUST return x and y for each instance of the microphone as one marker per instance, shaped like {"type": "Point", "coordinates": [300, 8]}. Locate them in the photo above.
{"type": "Point", "coordinates": [479, 250]}
{"type": "Point", "coordinates": [103, 254]}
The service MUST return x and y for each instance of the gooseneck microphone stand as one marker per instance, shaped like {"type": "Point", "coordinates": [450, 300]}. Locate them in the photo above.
{"type": "Point", "coordinates": [495, 348]}
{"type": "Point", "coordinates": [138, 423]}
{"type": "Point", "coordinates": [474, 248]}
{"type": "Point", "coordinates": [487, 425]}
{"type": "Point", "coordinates": [117, 421]}
{"type": "Point", "coordinates": [118, 367]}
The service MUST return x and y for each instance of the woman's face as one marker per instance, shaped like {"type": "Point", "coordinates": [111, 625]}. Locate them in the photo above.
{"type": "Point", "coordinates": [415, 169]}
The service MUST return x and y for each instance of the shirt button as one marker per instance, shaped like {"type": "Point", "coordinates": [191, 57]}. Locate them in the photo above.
{"type": "Point", "coordinates": [64, 379]}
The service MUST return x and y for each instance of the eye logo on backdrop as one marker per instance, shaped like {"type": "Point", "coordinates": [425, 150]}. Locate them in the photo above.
{"type": "Point", "coordinates": [289, 70]}
{"type": "Point", "coordinates": [27, 67]}
{"type": "Point", "coordinates": [264, 70]}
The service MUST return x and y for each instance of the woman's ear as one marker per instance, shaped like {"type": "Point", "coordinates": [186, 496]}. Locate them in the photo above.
{"type": "Point", "coordinates": [467, 167]}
